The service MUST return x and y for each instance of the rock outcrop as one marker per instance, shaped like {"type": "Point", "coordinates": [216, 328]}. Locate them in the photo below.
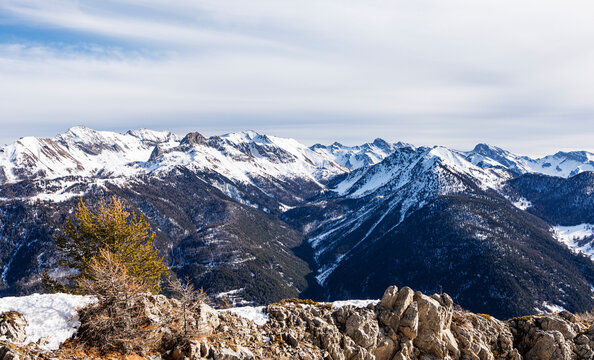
{"type": "Point", "coordinates": [404, 325]}
{"type": "Point", "coordinates": [13, 326]}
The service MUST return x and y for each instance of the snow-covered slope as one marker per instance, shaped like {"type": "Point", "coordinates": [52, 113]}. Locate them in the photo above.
{"type": "Point", "coordinates": [407, 163]}
{"type": "Point", "coordinates": [50, 316]}
{"type": "Point", "coordinates": [579, 238]}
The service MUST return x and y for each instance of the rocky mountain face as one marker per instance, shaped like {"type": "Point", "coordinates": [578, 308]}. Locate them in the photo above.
{"type": "Point", "coordinates": [259, 218]}
{"type": "Point", "coordinates": [404, 325]}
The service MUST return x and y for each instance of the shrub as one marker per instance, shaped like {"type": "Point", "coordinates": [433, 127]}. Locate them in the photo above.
{"type": "Point", "coordinates": [116, 322]}
{"type": "Point", "coordinates": [126, 235]}
{"type": "Point", "coordinates": [128, 319]}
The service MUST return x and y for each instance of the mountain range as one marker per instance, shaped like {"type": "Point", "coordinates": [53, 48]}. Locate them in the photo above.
{"type": "Point", "coordinates": [257, 218]}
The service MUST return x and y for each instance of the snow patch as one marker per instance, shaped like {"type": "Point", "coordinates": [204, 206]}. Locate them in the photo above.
{"type": "Point", "coordinates": [355, 303]}
{"type": "Point", "coordinates": [51, 316]}
{"type": "Point", "coordinates": [552, 307]}
{"type": "Point", "coordinates": [259, 317]}
{"type": "Point", "coordinates": [571, 236]}
{"type": "Point", "coordinates": [252, 313]}
{"type": "Point", "coordinates": [522, 204]}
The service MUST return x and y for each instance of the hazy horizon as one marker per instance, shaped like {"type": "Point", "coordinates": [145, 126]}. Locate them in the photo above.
{"type": "Point", "coordinates": [515, 75]}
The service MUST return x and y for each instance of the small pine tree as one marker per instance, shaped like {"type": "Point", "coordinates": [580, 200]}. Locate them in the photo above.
{"type": "Point", "coordinates": [108, 227]}
{"type": "Point", "coordinates": [189, 297]}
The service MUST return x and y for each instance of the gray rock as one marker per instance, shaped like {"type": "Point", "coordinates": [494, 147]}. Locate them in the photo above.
{"type": "Point", "coordinates": [207, 318]}
{"type": "Point", "coordinates": [13, 326]}
{"type": "Point", "coordinates": [6, 353]}
{"type": "Point", "coordinates": [409, 323]}
{"type": "Point", "coordinates": [363, 328]}
{"type": "Point", "coordinates": [549, 346]}
{"type": "Point", "coordinates": [389, 297]}
{"type": "Point", "coordinates": [241, 353]}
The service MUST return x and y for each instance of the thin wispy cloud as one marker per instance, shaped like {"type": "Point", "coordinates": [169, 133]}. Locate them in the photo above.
{"type": "Point", "coordinates": [516, 74]}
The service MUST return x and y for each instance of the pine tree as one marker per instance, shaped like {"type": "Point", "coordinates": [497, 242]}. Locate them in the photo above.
{"type": "Point", "coordinates": [109, 227]}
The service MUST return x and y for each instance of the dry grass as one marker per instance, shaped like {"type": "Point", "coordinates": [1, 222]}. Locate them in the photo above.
{"type": "Point", "coordinates": [303, 302]}
{"type": "Point", "coordinates": [486, 316]}
{"type": "Point", "coordinates": [586, 317]}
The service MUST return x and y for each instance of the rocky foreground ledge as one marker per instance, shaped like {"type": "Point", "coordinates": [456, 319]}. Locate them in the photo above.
{"type": "Point", "coordinates": [403, 325]}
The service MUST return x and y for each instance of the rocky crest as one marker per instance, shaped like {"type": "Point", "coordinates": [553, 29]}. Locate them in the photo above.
{"type": "Point", "coordinates": [403, 325]}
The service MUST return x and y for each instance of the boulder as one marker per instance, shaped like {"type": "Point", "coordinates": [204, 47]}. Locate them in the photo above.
{"type": "Point", "coordinates": [389, 297]}
{"type": "Point", "coordinates": [363, 328]}
{"type": "Point", "coordinates": [553, 323]}
{"type": "Point", "coordinates": [434, 336]}
{"type": "Point", "coordinates": [549, 345]}
{"type": "Point", "coordinates": [207, 318]}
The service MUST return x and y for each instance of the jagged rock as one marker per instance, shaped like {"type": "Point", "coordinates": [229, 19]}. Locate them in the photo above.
{"type": "Point", "coordinates": [207, 318]}
{"type": "Point", "coordinates": [409, 324]}
{"type": "Point", "coordinates": [404, 299]}
{"type": "Point", "coordinates": [560, 325]}
{"type": "Point", "coordinates": [389, 297]}
{"type": "Point", "coordinates": [384, 349]}
{"type": "Point", "coordinates": [363, 328]}
{"type": "Point", "coordinates": [427, 328]}
{"type": "Point", "coordinates": [413, 326]}
{"type": "Point", "coordinates": [13, 326]}
{"type": "Point", "coordinates": [193, 138]}
{"type": "Point", "coordinates": [241, 353]}
{"type": "Point", "coordinates": [549, 345]}
{"type": "Point", "coordinates": [8, 353]}
{"type": "Point", "coordinates": [395, 304]}
{"type": "Point", "coordinates": [434, 336]}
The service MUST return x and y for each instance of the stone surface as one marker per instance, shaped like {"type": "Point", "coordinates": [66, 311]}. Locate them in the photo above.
{"type": "Point", "coordinates": [13, 326]}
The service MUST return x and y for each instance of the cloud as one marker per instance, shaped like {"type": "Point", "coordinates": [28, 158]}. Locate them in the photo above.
{"type": "Point", "coordinates": [424, 71]}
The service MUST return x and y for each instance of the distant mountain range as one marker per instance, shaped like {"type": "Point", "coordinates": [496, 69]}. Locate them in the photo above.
{"type": "Point", "coordinates": [260, 218]}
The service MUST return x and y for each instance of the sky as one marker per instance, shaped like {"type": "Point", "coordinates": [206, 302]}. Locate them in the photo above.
{"type": "Point", "coordinates": [515, 74]}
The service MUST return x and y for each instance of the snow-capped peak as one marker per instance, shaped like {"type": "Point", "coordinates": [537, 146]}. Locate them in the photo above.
{"type": "Point", "coordinates": [248, 154]}
{"type": "Point", "coordinates": [562, 164]}
{"type": "Point", "coordinates": [243, 137]}
{"type": "Point", "coordinates": [154, 136]}
{"type": "Point", "coordinates": [355, 157]}
{"type": "Point", "coordinates": [80, 151]}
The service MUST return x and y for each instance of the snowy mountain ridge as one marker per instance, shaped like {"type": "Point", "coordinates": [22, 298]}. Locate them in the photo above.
{"type": "Point", "coordinates": [251, 159]}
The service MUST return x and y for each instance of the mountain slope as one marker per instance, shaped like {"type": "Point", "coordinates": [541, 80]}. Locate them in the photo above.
{"type": "Point", "coordinates": [430, 218]}
{"type": "Point", "coordinates": [262, 217]}
{"type": "Point", "coordinates": [221, 244]}
{"type": "Point", "coordinates": [486, 254]}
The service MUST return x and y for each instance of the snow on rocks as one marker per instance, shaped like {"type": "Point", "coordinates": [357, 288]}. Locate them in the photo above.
{"type": "Point", "coordinates": [252, 313]}
{"type": "Point", "coordinates": [354, 303]}
{"type": "Point", "coordinates": [259, 317]}
{"type": "Point", "coordinates": [50, 316]}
